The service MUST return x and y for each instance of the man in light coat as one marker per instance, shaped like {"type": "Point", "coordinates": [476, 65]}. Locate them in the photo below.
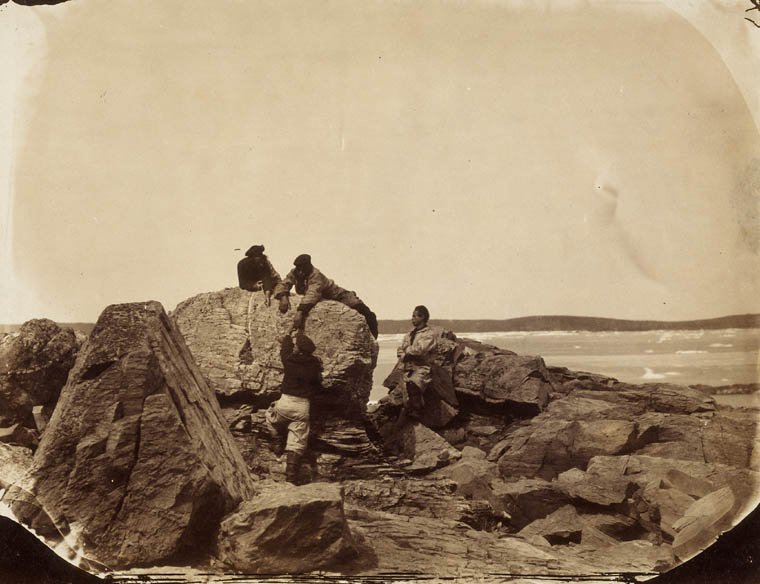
{"type": "Point", "coordinates": [315, 286]}
{"type": "Point", "coordinates": [416, 356]}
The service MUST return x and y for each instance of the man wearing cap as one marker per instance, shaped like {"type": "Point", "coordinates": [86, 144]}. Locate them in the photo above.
{"type": "Point", "coordinates": [302, 378]}
{"type": "Point", "coordinates": [256, 272]}
{"type": "Point", "coordinates": [315, 286]}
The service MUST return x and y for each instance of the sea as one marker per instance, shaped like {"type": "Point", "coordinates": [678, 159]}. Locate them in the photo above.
{"type": "Point", "coordinates": [687, 357]}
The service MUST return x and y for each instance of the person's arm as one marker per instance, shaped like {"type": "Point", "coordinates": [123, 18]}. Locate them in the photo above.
{"type": "Point", "coordinates": [286, 348]}
{"type": "Point", "coordinates": [423, 343]}
{"type": "Point", "coordinates": [315, 284]}
{"type": "Point", "coordinates": [282, 288]}
{"type": "Point", "coordinates": [282, 291]}
{"type": "Point", "coordinates": [270, 280]}
{"type": "Point", "coordinates": [402, 348]}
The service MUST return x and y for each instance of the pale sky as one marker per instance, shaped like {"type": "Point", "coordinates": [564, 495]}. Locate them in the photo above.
{"type": "Point", "coordinates": [487, 159]}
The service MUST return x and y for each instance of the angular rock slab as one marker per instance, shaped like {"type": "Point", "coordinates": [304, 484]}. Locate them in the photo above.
{"type": "Point", "coordinates": [425, 448]}
{"type": "Point", "coordinates": [287, 529]}
{"type": "Point", "coordinates": [34, 364]}
{"type": "Point", "coordinates": [702, 523]}
{"type": "Point", "coordinates": [235, 338]}
{"type": "Point", "coordinates": [137, 460]}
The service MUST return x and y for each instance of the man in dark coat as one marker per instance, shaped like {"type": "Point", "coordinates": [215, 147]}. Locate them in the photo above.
{"type": "Point", "coordinates": [302, 378]}
{"type": "Point", "coordinates": [255, 272]}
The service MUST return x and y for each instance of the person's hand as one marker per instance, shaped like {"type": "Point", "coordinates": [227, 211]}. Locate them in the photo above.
{"type": "Point", "coordinates": [267, 298]}
{"type": "Point", "coordinates": [284, 304]}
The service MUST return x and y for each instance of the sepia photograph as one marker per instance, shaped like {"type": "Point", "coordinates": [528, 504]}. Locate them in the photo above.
{"type": "Point", "coordinates": [380, 291]}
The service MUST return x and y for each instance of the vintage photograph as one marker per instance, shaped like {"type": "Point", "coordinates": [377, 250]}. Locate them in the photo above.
{"type": "Point", "coordinates": [379, 291]}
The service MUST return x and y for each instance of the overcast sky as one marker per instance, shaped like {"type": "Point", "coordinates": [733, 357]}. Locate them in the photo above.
{"type": "Point", "coordinates": [487, 159]}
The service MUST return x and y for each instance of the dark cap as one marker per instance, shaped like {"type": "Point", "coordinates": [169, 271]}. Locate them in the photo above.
{"type": "Point", "coordinates": [255, 250]}
{"type": "Point", "coordinates": [304, 343]}
{"type": "Point", "coordinates": [303, 260]}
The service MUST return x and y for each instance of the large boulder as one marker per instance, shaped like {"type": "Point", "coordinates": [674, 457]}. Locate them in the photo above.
{"type": "Point", "coordinates": [34, 365]}
{"type": "Point", "coordinates": [137, 461]}
{"type": "Point", "coordinates": [501, 380]}
{"type": "Point", "coordinates": [287, 529]}
{"type": "Point", "coordinates": [235, 339]}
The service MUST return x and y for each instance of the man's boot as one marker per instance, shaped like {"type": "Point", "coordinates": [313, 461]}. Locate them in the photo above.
{"type": "Point", "coordinates": [292, 464]}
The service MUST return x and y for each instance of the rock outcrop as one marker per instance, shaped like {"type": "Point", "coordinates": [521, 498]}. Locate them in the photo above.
{"type": "Point", "coordinates": [137, 462]}
{"type": "Point", "coordinates": [34, 365]}
{"type": "Point", "coordinates": [235, 339]}
{"type": "Point", "coordinates": [288, 529]}
{"type": "Point", "coordinates": [578, 459]}
{"type": "Point", "coordinates": [156, 452]}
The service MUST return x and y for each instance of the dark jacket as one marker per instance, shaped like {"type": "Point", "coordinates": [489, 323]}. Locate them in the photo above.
{"type": "Point", "coordinates": [303, 371]}
{"type": "Point", "coordinates": [254, 269]}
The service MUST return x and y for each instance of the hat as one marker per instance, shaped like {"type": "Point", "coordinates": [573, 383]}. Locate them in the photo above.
{"type": "Point", "coordinates": [304, 343]}
{"type": "Point", "coordinates": [303, 260]}
{"type": "Point", "coordinates": [255, 250]}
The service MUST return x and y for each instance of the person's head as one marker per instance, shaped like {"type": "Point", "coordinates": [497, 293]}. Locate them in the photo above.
{"type": "Point", "coordinates": [303, 264]}
{"type": "Point", "coordinates": [420, 315]}
{"type": "Point", "coordinates": [255, 251]}
{"type": "Point", "coordinates": [304, 344]}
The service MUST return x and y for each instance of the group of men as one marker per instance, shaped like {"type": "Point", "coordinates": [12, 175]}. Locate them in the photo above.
{"type": "Point", "coordinates": [302, 370]}
{"type": "Point", "coordinates": [255, 272]}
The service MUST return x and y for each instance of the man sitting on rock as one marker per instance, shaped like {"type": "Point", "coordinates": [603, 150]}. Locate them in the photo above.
{"type": "Point", "coordinates": [415, 354]}
{"type": "Point", "coordinates": [302, 377]}
{"type": "Point", "coordinates": [315, 286]}
{"type": "Point", "coordinates": [255, 272]}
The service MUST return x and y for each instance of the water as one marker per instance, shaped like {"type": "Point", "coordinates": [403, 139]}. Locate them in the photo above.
{"type": "Point", "coordinates": [710, 357]}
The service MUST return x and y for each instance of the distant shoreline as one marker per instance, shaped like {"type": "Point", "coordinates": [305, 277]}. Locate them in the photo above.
{"type": "Point", "coordinates": [576, 323]}
{"type": "Point", "coordinates": [528, 324]}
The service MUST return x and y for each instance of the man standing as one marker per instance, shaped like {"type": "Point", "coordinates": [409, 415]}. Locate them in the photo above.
{"type": "Point", "coordinates": [255, 272]}
{"type": "Point", "coordinates": [302, 378]}
{"type": "Point", "coordinates": [315, 286]}
{"type": "Point", "coordinates": [415, 354]}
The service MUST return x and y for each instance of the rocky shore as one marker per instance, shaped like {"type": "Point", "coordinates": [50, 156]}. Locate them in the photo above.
{"type": "Point", "coordinates": [143, 446]}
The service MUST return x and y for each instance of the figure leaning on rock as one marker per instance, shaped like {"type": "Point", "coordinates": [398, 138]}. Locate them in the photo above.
{"type": "Point", "coordinates": [415, 354]}
{"type": "Point", "coordinates": [315, 286]}
{"type": "Point", "coordinates": [255, 272]}
{"type": "Point", "coordinates": [302, 378]}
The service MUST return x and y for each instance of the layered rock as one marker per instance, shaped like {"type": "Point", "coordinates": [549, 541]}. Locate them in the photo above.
{"type": "Point", "coordinates": [612, 468]}
{"type": "Point", "coordinates": [34, 365]}
{"type": "Point", "coordinates": [137, 461]}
